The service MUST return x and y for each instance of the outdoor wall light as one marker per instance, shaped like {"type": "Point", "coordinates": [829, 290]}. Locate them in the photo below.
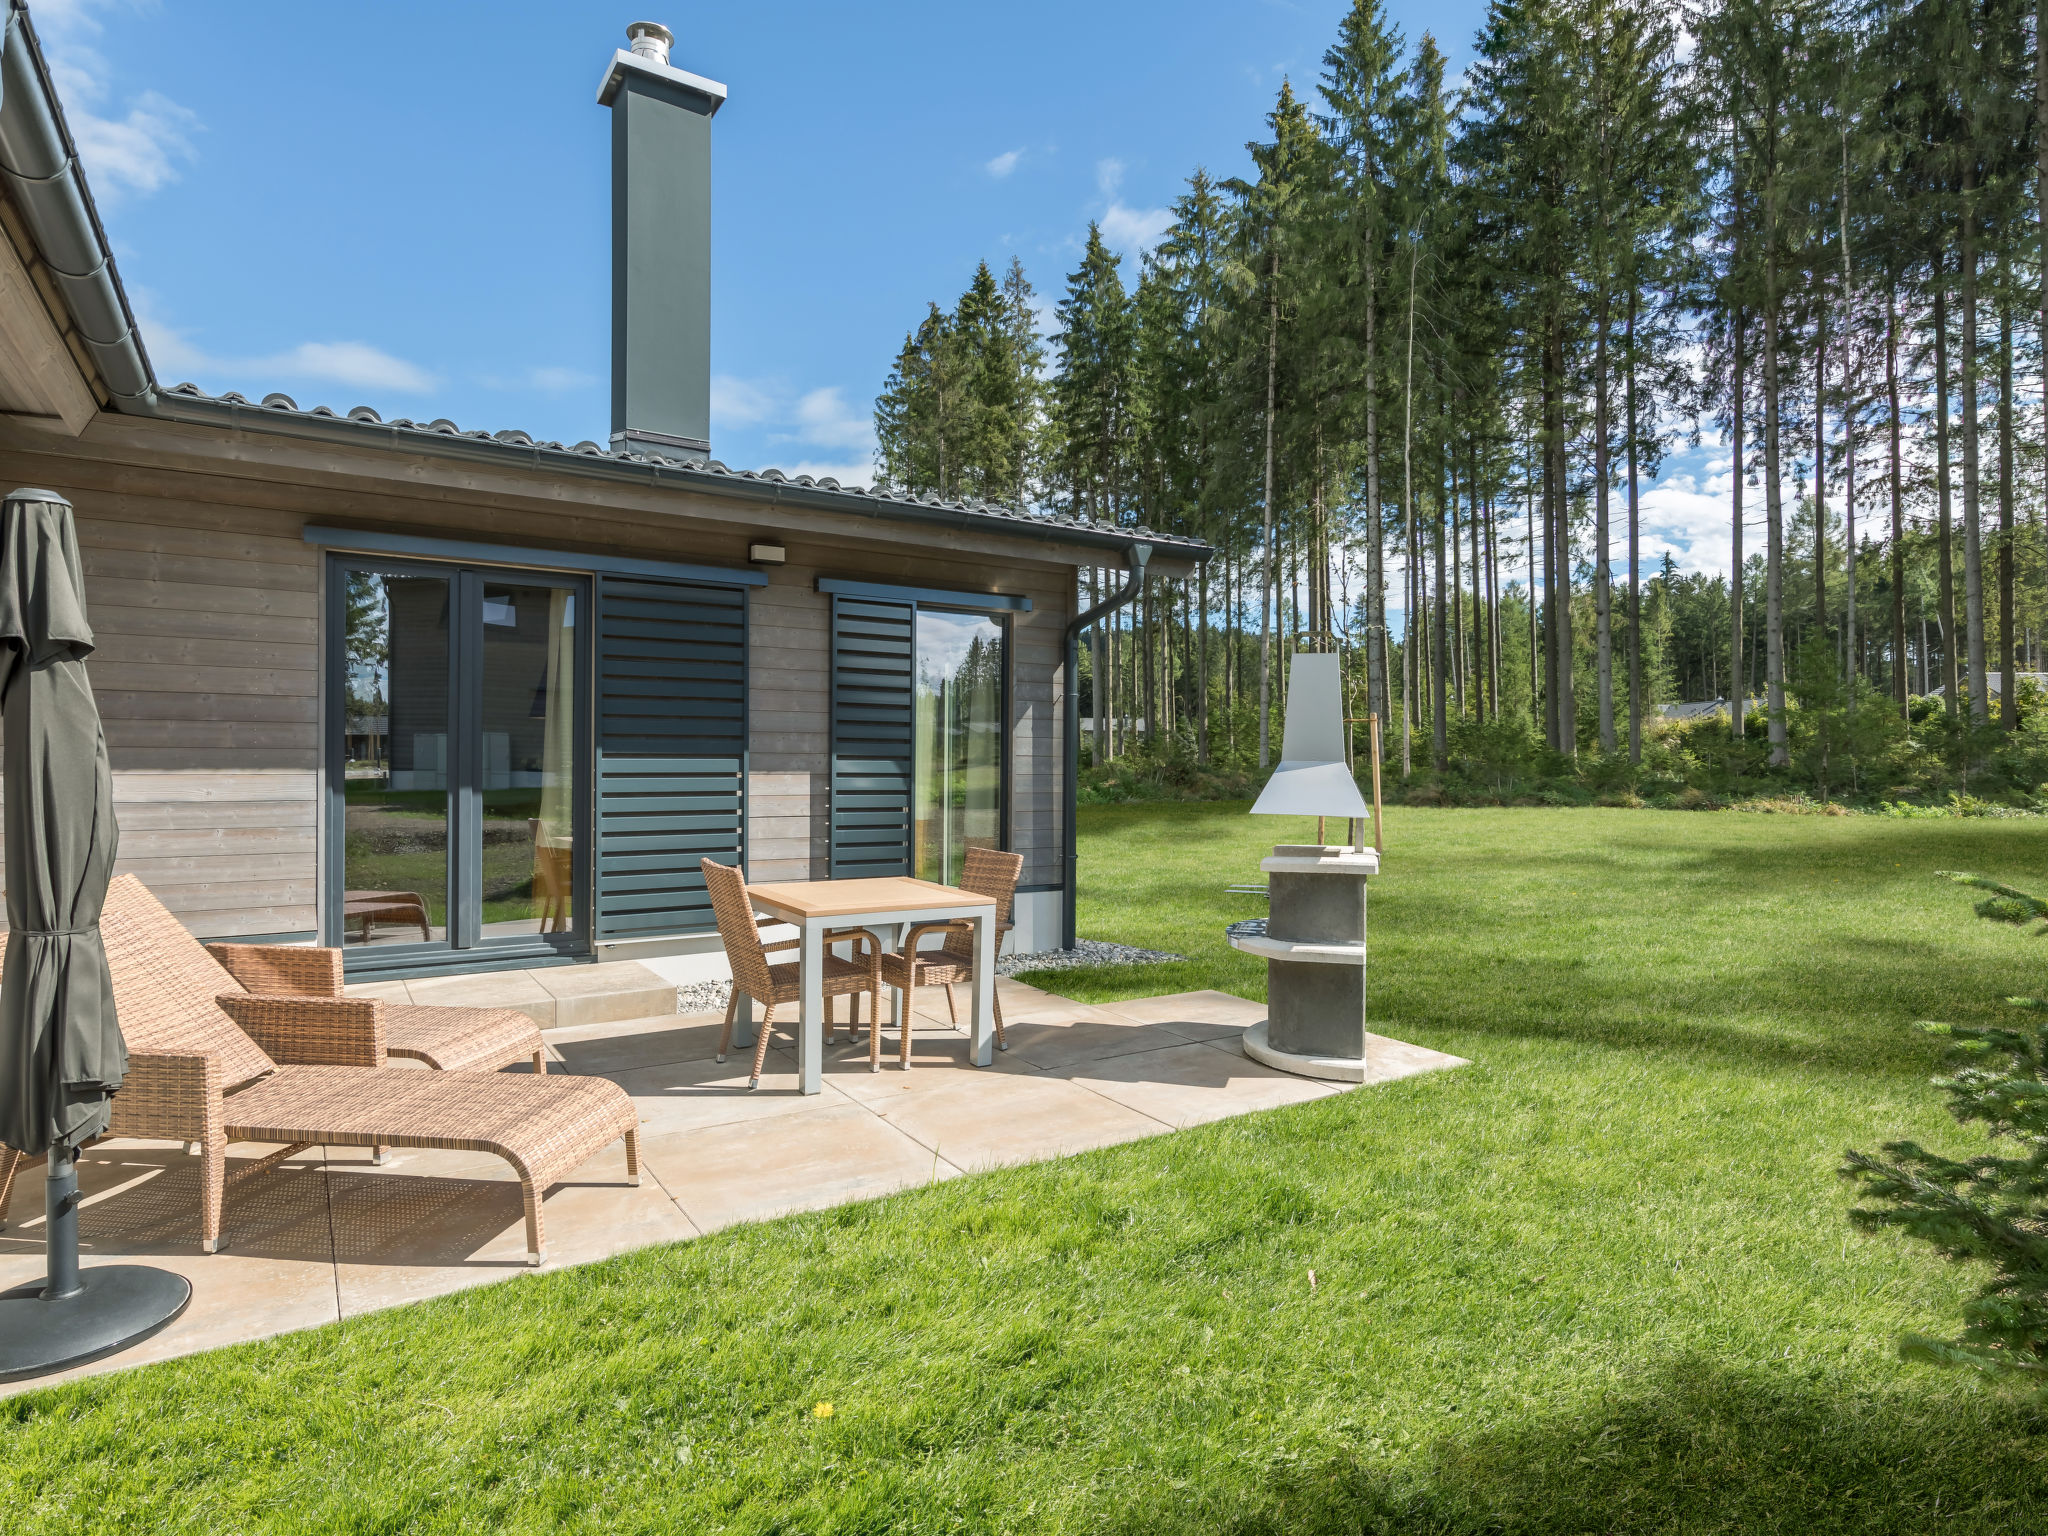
{"type": "Point", "coordinates": [766, 554]}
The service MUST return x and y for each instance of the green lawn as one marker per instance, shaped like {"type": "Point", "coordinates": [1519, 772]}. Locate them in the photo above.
{"type": "Point", "coordinates": [1598, 1281]}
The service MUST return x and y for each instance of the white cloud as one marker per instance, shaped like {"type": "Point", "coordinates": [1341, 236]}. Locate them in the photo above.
{"type": "Point", "coordinates": [824, 418]}
{"type": "Point", "coordinates": [1135, 229]}
{"type": "Point", "coordinates": [136, 151]}
{"type": "Point", "coordinates": [737, 403]}
{"type": "Point", "coordinates": [861, 473]}
{"type": "Point", "coordinates": [1003, 164]}
{"type": "Point", "coordinates": [544, 379]}
{"type": "Point", "coordinates": [1128, 230]}
{"type": "Point", "coordinates": [818, 426]}
{"type": "Point", "coordinates": [357, 363]}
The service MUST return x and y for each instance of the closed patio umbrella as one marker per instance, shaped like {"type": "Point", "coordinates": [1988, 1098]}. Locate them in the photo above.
{"type": "Point", "coordinates": [62, 1058]}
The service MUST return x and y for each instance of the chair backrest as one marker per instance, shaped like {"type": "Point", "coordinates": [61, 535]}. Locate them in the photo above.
{"type": "Point", "coordinates": [737, 930]}
{"type": "Point", "coordinates": [987, 872]}
{"type": "Point", "coordinates": [165, 984]}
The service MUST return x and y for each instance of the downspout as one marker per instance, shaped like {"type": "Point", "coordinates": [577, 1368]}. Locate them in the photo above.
{"type": "Point", "coordinates": [1135, 558]}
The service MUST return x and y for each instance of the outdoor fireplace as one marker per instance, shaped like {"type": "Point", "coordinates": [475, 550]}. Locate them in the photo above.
{"type": "Point", "coordinates": [1313, 936]}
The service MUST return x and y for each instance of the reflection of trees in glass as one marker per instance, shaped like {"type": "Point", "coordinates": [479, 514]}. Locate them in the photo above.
{"type": "Point", "coordinates": [368, 618]}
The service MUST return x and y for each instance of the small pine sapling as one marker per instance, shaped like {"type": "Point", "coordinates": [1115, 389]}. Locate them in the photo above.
{"type": "Point", "coordinates": [1990, 1209]}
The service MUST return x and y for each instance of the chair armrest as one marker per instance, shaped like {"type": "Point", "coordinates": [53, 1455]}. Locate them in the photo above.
{"type": "Point", "coordinates": [169, 1096]}
{"type": "Point", "coordinates": [281, 970]}
{"type": "Point", "coordinates": [924, 931]}
{"type": "Point", "coordinates": [311, 1031]}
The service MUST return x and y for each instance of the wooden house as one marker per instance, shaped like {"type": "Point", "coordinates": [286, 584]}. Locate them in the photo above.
{"type": "Point", "coordinates": [465, 699]}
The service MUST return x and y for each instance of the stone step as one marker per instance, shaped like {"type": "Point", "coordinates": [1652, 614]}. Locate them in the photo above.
{"type": "Point", "coordinates": [554, 997]}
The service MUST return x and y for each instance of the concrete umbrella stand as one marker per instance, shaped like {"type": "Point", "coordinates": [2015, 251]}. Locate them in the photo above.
{"type": "Point", "coordinates": [1313, 937]}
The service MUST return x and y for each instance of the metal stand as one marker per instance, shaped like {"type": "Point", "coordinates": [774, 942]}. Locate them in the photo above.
{"type": "Point", "coordinates": [75, 1315]}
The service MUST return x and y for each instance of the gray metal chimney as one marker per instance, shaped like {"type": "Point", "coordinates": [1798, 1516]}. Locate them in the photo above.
{"type": "Point", "coordinates": [661, 246]}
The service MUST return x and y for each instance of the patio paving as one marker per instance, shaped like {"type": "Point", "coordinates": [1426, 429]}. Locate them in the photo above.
{"type": "Point", "coordinates": [328, 1235]}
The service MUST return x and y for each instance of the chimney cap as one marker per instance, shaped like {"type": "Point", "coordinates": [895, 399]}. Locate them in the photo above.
{"type": "Point", "coordinates": [651, 40]}
{"type": "Point", "coordinates": [648, 58]}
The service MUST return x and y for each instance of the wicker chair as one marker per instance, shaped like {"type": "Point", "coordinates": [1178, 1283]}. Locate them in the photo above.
{"type": "Point", "coordinates": [773, 985]}
{"type": "Point", "coordinates": [278, 976]}
{"type": "Point", "coordinates": [309, 1071]}
{"type": "Point", "coordinates": [988, 872]}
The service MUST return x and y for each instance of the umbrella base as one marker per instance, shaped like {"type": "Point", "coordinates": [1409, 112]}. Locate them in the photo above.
{"type": "Point", "coordinates": [122, 1304]}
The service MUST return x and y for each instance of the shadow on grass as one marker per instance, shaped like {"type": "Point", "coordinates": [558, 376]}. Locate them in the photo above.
{"type": "Point", "coordinates": [1700, 1447]}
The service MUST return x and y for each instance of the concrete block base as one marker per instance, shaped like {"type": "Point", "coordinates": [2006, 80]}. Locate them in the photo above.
{"type": "Point", "coordinates": [1385, 1060]}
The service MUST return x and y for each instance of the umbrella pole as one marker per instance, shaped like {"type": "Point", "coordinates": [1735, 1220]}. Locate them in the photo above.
{"type": "Point", "coordinates": [60, 1226]}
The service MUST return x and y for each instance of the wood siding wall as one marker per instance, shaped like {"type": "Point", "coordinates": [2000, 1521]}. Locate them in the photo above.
{"type": "Point", "coordinates": [205, 600]}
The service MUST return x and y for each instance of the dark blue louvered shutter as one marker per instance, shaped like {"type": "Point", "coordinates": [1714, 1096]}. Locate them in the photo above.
{"type": "Point", "coordinates": [671, 750]}
{"type": "Point", "coordinates": [872, 709]}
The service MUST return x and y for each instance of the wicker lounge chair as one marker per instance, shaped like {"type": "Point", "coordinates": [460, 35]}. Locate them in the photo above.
{"type": "Point", "coordinates": [773, 985]}
{"type": "Point", "coordinates": [987, 872]}
{"type": "Point", "coordinates": [308, 1071]}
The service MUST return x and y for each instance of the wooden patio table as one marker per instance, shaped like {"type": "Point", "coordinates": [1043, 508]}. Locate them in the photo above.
{"type": "Point", "coordinates": [889, 906]}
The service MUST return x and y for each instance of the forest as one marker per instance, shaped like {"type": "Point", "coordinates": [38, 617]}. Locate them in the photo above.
{"type": "Point", "coordinates": [1413, 371]}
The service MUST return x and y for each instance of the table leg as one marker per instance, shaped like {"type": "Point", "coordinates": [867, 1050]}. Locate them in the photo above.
{"type": "Point", "coordinates": [810, 1054]}
{"type": "Point", "coordinates": [981, 1049]}
{"type": "Point", "coordinates": [900, 932]}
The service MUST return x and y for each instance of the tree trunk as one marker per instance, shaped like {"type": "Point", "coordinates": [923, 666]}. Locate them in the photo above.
{"type": "Point", "coordinates": [1202, 666]}
{"type": "Point", "coordinates": [1738, 420]}
{"type": "Point", "coordinates": [1901, 681]}
{"type": "Point", "coordinates": [1375, 534]}
{"type": "Point", "coordinates": [1635, 589]}
{"type": "Point", "coordinates": [2009, 697]}
{"type": "Point", "coordinates": [1973, 522]}
{"type": "Point", "coordinates": [1951, 673]}
{"type": "Point", "coordinates": [1411, 695]}
{"type": "Point", "coordinates": [1603, 582]}
{"type": "Point", "coordinates": [1480, 666]}
{"type": "Point", "coordinates": [1439, 724]}
{"type": "Point", "coordinates": [1774, 504]}
{"type": "Point", "coordinates": [1270, 593]}
{"type": "Point", "coordinates": [1456, 594]}
{"type": "Point", "coordinates": [1820, 470]}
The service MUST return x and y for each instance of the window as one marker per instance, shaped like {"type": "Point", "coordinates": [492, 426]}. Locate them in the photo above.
{"type": "Point", "coordinates": [920, 737]}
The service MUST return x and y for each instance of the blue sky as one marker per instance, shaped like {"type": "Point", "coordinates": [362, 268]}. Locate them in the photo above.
{"type": "Point", "coordinates": [406, 206]}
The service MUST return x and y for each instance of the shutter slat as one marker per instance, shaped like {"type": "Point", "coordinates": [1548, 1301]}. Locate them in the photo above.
{"type": "Point", "coordinates": [873, 718]}
{"type": "Point", "coordinates": [671, 751]}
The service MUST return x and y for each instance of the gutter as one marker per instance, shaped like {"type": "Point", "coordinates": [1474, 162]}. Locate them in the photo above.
{"type": "Point", "coordinates": [40, 164]}
{"type": "Point", "coordinates": [1136, 556]}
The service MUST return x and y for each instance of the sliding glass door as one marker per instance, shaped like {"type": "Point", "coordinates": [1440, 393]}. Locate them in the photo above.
{"type": "Point", "coordinates": [458, 771]}
{"type": "Point", "coordinates": [957, 793]}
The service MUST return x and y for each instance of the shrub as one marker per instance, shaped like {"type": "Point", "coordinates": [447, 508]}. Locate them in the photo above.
{"type": "Point", "coordinates": [1987, 1210]}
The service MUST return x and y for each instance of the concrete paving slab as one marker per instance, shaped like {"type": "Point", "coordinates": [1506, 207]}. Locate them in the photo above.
{"type": "Point", "coordinates": [1197, 1015]}
{"type": "Point", "coordinates": [489, 989]}
{"type": "Point", "coordinates": [649, 1043]}
{"type": "Point", "coordinates": [691, 1095]}
{"type": "Point", "coordinates": [759, 1169]}
{"type": "Point", "coordinates": [1193, 1084]}
{"type": "Point", "coordinates": [596, 994]}
{"type": "Point", "coordinates": [990, 1119]}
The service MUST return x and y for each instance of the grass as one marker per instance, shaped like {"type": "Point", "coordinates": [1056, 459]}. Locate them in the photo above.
{"type": "Point", "coordinates": [1598, 1281]}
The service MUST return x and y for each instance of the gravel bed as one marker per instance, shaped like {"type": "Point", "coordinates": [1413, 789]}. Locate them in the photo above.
{"type": "Point", "coordinates": [1084, 952]}
{"type": "Point", "coordinates": [712, 996]}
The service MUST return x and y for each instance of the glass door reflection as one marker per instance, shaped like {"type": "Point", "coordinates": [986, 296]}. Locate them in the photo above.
{"type": "Point", "coordinates": [528, 767]}
{"type": "Point", "coordinates": [958, 783]}
{"type": "Point", "coordinates": [397, 732]}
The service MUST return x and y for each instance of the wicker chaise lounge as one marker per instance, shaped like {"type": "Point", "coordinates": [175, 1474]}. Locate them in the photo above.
{"type": "Point", "coordinates": [308, 1071]}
